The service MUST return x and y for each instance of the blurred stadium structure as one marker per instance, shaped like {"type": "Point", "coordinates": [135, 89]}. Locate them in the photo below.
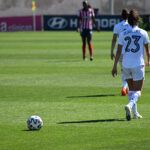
{"type": "Point", "coordinates": [23, 7]}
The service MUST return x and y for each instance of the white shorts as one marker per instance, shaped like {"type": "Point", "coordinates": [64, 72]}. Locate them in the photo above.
{"type": "Point", "coordinates": [136, 74]}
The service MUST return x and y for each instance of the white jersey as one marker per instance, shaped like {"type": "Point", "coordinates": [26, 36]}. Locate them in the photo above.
{"type": "Point", "coordinates": [133, 41]}
{"type": "Point", "coordinates": [121, 26]}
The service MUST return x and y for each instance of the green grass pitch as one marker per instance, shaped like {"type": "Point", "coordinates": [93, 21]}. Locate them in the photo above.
{"type": "Point", "coordinates": [43, 74]}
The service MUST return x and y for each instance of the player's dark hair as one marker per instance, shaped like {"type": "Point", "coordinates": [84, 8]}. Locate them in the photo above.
{"type": "Point", "coordinates": [89, 6]}
{"type": "Point", "coordinates": [85, 2]}
{"type": "Point", "coordinates": [125, 14]}
{"type": "Point", "coordinates": [133, 17]}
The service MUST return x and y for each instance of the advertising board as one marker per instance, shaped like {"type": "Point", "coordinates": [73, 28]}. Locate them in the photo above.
{"type": "Point", "coordinates": [9, 24]}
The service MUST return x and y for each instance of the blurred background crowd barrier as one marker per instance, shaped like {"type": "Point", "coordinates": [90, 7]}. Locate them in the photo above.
{"type": "Point", "coordinates": [38, 15]}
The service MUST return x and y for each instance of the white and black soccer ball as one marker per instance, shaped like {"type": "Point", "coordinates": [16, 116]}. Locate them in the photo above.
{"type": "Point", "coordinates": [34, 123]}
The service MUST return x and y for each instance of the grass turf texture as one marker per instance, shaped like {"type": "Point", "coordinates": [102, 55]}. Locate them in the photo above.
{"type": "Point", "coordinates": [43, 73]}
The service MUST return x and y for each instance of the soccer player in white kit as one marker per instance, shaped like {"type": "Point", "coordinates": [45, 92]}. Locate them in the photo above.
{"type": "Point", "coordinates": [132, 44]}
{"type": "Point", "coordinates": [118, 28]}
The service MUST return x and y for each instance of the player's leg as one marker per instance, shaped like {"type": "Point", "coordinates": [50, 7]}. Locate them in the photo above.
{"type": "Point", "coordinates": [129, 106]}
{"type": "Point", "coordinates": [136, 95]}
{"type": "Point", "coordinates": [127, 74]}
{"type": "Point", "coordinates": [90, 44]}
{"type": "Point", "coordinates": [138, 75]}
{"type": "Point", "coordinates": [133, 96]}
{"type": "Point", "coordinates": [124, 89]}
{"type": "Point", "coordinates": [83, 36]}
{"type": "Point", "coordinates": [135, 87]}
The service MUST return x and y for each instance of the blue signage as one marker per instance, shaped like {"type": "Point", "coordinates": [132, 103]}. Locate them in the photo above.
{"type": "Point", "coordinates": [60, 23]}
{"type": "Point", "coordinates": [70, 22]}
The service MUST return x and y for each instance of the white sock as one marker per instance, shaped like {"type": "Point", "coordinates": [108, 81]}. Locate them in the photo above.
{"type": "Point", "coordinates": [131, 103]}
{"type": "Point", "coordinates": [133, 98]}
{"type": "Point", "coordinates": [130, 94]}
{"type": "Point", "coordinates": [136, 95]}
{"type": "Point", "coordinates": [134, 108]}
{"type": "Point", "coordinates": [124, 82]}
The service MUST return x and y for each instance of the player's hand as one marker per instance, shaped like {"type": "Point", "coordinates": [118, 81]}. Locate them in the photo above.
{"type": "Point", "coordinates": [114, 71]}
{"type": "Point", "coordinates": [112, 56]}
{"type": "Point", "coordinates": [78, 29]}
{"type": "Point", "coordinates": [98, 29]}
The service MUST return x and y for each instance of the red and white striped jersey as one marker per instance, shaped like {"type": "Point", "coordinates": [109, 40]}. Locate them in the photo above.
{"type": "Point", "coordinates": [86, 18]}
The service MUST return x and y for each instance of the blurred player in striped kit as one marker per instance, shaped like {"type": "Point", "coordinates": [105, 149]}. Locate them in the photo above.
{"type": "Point", "coordinates": [133, 43]}
{"type": "Point", "coordinates": [86, 20]}
{"type": "Point", "coordinates": [118, 28]}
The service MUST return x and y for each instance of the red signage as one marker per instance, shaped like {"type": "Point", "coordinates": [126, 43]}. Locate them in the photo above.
{"type": "Point", "coordinates": [8, 24]}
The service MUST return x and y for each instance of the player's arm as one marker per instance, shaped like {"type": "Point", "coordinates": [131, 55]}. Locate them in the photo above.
{"type": "Point", "coordinates": [95, 24]}
{"type": "Point", "coordinates": [113, 44]}
{"type": "Point", "coordinates": [118, 54]}
{"type": "Point", "coordinates": [94, 20]}
{"type": "Point", "coordinates": [79, 21]}
{"type": "Point", "coordinates": [147, 54]}
{"type": "Point", "coordinates": [78, 26]}
{"type": "Point", "coordinates": [146, 45]}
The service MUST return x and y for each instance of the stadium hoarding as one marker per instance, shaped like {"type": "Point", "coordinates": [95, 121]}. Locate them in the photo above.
{"type": "Point", "coordinates": [69, 22]}
{"type": "Point", "coordinates": [60, 22]}
{"type": "Point", "coordinates": [25, 23]}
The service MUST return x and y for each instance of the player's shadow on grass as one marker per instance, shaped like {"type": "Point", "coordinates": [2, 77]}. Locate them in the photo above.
{"type": "Point", "coordinates": [27, 130]}
{"type": "Point", "coordinates": [88, 96]}
{"type": "Point", "coordinates": [92, 121]}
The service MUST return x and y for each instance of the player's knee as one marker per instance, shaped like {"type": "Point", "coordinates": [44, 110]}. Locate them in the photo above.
{"type": "Point", "coordinates": [139, 93]}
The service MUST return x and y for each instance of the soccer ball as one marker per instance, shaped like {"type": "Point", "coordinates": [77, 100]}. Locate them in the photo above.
{"type": "Point", "coordinates": [34, 123]}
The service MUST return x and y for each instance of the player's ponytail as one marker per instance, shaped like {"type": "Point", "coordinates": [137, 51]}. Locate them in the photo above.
{"type": "Point", "coordinates": [125, 14]}
{"type": "Point", "coordinates": [133, 18]}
